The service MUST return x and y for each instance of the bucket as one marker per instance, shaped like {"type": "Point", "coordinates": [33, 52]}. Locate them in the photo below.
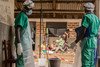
{"type": "Point", "coordinates": [54, 62]}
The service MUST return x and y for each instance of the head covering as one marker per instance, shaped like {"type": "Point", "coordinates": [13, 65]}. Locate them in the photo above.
{"type": "Point", "coordinates": [89, 6]}
{"type": "Point", "coordinates": [28, 3]}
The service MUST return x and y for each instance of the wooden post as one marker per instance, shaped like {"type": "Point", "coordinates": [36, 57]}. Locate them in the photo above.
{"type": "Point", "coordinates": [41, 20]}
{"type": "Point", "coordinates": [54, 7]}
{"type": "Point", "coordinates": [97, 3]}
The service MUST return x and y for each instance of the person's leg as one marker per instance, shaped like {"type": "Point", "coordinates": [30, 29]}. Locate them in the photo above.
{"type": "Point", "coordinates": [65, 48]}
{"type": "Point", "coordinates": [92, 58]}
{"type": "Point", "coordinates": [61, 48]}
{"type": "Point", "coordinates": [57, 49]}
{"type": "Point", "coordinates": [95, 59]}
{"type": "Point", "coordinates": [20, 61]}
{"type": "Point", "coordinates": [86, 57]}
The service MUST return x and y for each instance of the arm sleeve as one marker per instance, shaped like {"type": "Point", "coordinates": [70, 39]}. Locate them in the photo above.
{"type": "Point", "coordinates": [20, 21]}
{"type": "Point", "coordinates": [85, 22]}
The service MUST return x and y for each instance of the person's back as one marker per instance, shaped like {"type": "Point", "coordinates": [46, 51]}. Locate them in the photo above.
{"type": "Point", "coordinates": [88, 36]}
{"type": "Point", "coordinates": [93, 25]}
{"type": "Point", "coordinates": [91, 22]}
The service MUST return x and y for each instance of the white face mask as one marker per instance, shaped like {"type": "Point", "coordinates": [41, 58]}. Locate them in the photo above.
{"type": "Point", "coordinates": [29, 12]}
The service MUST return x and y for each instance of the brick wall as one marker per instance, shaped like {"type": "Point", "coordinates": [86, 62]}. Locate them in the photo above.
{"type": "Point", "coordinates": [71, 26]}
{"type": "Point", "coordinates": [43, 27]}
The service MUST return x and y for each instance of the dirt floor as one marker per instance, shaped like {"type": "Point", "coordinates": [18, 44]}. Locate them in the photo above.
{"type": "Point", "coordinates": [70, 58]}
{"type": "Point", "coordinates": [65, 57]}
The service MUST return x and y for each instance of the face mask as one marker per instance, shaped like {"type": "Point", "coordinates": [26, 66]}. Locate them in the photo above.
{"type": "Point", "coordinates": [29, 12]}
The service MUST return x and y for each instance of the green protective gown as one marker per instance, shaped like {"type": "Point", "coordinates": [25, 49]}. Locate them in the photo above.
{"type": "Point", "coordinates": [89, 43]}
{"type": "Point", "coordinates": [26, 59]}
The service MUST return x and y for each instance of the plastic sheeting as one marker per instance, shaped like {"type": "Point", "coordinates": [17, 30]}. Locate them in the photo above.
{"type": "Point", "coordinates": [55, 32]}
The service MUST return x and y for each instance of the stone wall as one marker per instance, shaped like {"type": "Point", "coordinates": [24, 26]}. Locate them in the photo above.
{"type": "Point", "coordinates": [6, 20]}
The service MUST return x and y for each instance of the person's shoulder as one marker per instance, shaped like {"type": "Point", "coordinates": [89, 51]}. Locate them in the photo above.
{"type": "Point", "coordinates": [95, 16]}
{"type": "Point", "coordinates": [22, 14]}
{"type": "Point", "coordinates": [85, 15]}
{"type": "Point", "coordinates": [90, 15]}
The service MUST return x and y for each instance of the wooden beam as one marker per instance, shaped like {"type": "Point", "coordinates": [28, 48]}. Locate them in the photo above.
{"type": "Point", "coordinates": [60, 1]}
{"type": "Point", "coordinates": [70, 1]}
{"type": "Point", "coordinates": [56, 10]}
{"type": "Point", "coordinates": [54, 20]}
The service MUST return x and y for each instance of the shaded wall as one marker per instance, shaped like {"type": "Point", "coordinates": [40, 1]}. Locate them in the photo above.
{"type": "Point", "coordinates": [6, 20]}
{"type": "Point", "coordinates": [4, 35]}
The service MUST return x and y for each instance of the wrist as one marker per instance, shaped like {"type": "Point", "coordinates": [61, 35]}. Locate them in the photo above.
{"type": "Point", "coordinates": [75, 42]}
{"type": "Point", "coordinates": [18, 41]}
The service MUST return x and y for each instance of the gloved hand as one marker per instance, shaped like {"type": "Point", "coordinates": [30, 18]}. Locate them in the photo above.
{"type": "Point", "coordinates": [73, 45]}
{"type": "Point", "coordinates": [19, 49]}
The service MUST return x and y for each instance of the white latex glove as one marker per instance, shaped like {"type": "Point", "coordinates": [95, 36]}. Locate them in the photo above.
{"type": "Point", "coordinates": [14, 51]}
{"type": "Point", "coordinates": [19, 49]}
{"type": "Point", "coordinates": [73, 45]}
